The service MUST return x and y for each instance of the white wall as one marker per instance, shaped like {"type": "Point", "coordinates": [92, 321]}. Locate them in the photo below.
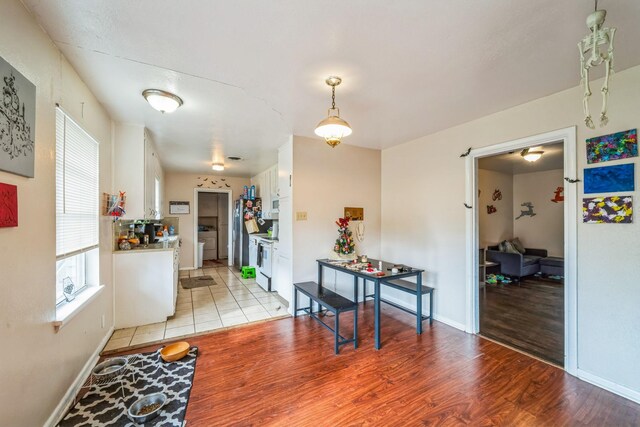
{"type": "Point", "coordinates": [497, 226]}
{"type": "Point", "coordinates": [38, 365]}
{"type": "Point", "coordinates": [430, 231]}
{"type": "Point", "coordinates": [545, 230]}
{"type": "Point", "coordinates": [326, 180]}
{"type": "Point", "coordinates": [179, 187]}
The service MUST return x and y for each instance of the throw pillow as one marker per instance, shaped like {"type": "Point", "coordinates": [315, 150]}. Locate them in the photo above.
{"type": "Point", "coordinates": [518, 245]}
{"type": "Point", "coordinates": [502, 246]}
{"type": "Point", "coordinates": [509, 248]}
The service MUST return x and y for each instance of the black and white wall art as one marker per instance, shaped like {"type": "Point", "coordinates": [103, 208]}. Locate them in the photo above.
{"type": "Point", "coordinates": [17, 121]}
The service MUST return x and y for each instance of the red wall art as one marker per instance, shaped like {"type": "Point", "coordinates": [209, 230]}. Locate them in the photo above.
{"type": "Point", "coordinates": [8, 205]}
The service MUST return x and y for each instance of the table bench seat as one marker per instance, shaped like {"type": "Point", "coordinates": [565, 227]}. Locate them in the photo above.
{"type": "Point", "coordinates": [410, 288]}
{"type": "Point", "coordinates": [332, 302]}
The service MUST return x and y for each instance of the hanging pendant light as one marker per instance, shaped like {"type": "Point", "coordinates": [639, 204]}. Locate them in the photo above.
{"type": "Point", "coordinates": [596, 48]}
{"type": "Point", "coordinates": [531, 155]}
{"type": "Point", "coordinates": [333, 128]}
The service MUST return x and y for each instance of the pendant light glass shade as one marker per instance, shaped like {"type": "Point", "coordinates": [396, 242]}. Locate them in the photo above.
{"type": "Point", "coordinates": [165, 102]}
{"type": "Point", "coordinates": [531, 156]}
{"type": "Point", "coordinates": [217, 166]}
{"type": "Point", "coordinates": [333, 128]}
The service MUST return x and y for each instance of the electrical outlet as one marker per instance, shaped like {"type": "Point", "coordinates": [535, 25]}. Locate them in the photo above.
{"type": "Point", "coordinates": [301, 216]}
{"type": "Point", "coordinates": [102, 322]}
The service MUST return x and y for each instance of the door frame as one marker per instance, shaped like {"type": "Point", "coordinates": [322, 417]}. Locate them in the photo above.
{"type": "Point", "coordinates": [568, 137]}
{"type": "Point", "coordinates": [229, 194]}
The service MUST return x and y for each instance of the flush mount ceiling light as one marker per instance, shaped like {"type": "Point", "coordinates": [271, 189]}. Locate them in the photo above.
{"type": "Point", "coordinates": [163, 101]}
{"type": "Point", "coordinates": [333, 128]}
{"type": "Point", "coordinates": [596, 48]}
{"type": "Point", "coordinates": [531, 155]}
{"type": "Point", "coordinates": [217, 166]}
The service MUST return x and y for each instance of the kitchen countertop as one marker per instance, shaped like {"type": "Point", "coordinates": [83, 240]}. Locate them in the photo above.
{"type": "Point", "coordinates": [169, 245]}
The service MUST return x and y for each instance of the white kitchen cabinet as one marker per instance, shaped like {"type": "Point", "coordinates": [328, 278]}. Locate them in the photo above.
{"type": "Point", "coordinates": [264, 182]}
{"type": "Point", "coordinates": [146, 286]}
{"type": "Point", "coordinates": [285, 227]}
{"type": "Point", "coordinates": [283, 283]}
{"type": "Point", "coordinates": [138, 172]}
{"type": "Point", "coordinates": [285, 169]}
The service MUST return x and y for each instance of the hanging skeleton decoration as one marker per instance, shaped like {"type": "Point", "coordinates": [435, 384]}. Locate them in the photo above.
{"type": "Point", "coordinates": [593, 53]}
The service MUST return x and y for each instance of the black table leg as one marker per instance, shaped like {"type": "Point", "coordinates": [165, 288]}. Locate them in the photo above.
{"type": "Point", "coordinates": [355, 289]}
{"type": "Point", "coordinates": [430, 307]}
{"type": "Point", "coordinates": [376, 310]}
{"type": "Point", "coordinates": [419, 304]}
{"type": "Point", "coordinates": [355, 328]}
{"type": "Point", "coordinates": [337, 332]}
{"type": "Point", "coordinates": [319, 283]}
{"type": "Point", "coordinates": [295, 302]}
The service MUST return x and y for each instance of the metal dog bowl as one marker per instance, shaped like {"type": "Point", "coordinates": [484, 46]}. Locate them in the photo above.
{"type": "Point", "coordinates": [110, 368]}
{"type": "Point", "coordinates": [138, 405]}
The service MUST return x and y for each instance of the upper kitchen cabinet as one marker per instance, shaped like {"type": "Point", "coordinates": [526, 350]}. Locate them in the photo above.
{"type": "Point", "coordinates": [285, 170]}
{"type": "Point", "coordinates": [138, 172]}
{"type": "Point", "coordinates": [266, 189]}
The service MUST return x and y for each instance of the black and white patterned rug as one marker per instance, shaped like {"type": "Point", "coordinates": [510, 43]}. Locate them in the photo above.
{"type": "Point", "coordinates": [147, 374]}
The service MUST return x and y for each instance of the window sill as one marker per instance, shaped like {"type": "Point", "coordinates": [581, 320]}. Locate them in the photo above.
{"type": "Point", "coordinates": [66, 312]}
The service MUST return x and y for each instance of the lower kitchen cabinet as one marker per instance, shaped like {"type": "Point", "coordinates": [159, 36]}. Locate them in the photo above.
{"type": "Point", "coordinates": [146, 286]}
{"type": "Point", "coordinates": [282, 273]}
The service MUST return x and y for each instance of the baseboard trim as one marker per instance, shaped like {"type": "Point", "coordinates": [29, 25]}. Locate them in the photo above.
{"type": "Point", "coordinates": [73, 390]}
{"type": "Point", "coordinates": [618, 389]}
{"type": "Point", "coordinates": [440, 319]}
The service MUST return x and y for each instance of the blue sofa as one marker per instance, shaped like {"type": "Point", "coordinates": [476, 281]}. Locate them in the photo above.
{"type": "Point", "coordinates": [517, 265]}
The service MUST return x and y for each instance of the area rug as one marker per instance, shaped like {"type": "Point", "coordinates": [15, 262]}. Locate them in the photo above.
{"type": "Point", "coordinates": [147, 373]}
{"type": "Point", "coordinates": [197, 282]}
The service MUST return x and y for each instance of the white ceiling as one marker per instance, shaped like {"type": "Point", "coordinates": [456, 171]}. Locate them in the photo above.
{"type": "Point", "coordinates": [251, 72]}
{"type": "Point", "coordinates": [513, 163]}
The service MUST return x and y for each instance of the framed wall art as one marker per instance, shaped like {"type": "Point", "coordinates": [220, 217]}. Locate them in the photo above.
{"type": "Point", "coordinates": [178, 208]}
{"type": "Point", "coordinates": [17, 122]}
{"type": "Point", "coordinates": [609, 179]}
{"type": "Point", "coordinates": [615, 146]}
{"type": "Point", "coordinates": [608, 210]}
{"type": "Point", "coordinates": [8, 205]}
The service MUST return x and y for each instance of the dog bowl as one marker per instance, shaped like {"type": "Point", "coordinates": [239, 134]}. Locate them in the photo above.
{"type": "Point", "coordinates": [110, 368]}
{"type": "Point", "coordinates": [146, 408]}
{"type": "Point", "coordinates": [175, 351]}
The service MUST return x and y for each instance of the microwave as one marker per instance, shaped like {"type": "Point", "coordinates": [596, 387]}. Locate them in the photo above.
{"type": "Point", "coordinates": [275, 206]}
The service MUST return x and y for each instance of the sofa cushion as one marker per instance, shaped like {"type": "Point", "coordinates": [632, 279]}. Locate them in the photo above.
{"type": "Point", "coordinates": [553, 261]}
{"type": "Point", "coordinates": [507, 246]}
{"type": "Point", "coordinates": [530, 260]}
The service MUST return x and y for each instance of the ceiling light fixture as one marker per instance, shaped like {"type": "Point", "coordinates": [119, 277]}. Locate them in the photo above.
{"type": "Point", "coordinates": [531, 156]}
{"type": "Point", "coordinates": [163, 101]}
{"type": "Point", "coordinates": [596, 48]}
{"type": "Point", "coordinates": [217, 166]}
{"type": "Point", "coordinates": [333, 128]}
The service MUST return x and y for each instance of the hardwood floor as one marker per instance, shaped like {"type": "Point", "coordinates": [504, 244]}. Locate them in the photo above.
{"type": "Point", "coordinates": [529, 316]}
{"type": "Point", "coordinates": [284, 373]}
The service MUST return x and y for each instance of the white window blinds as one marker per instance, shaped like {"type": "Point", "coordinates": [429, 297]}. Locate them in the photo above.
{"type": "Point", "coordinates": [77, 196]}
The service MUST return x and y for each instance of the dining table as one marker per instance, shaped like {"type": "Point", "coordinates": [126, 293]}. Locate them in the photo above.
{"type": "Point", "coordinates": [382, 271]}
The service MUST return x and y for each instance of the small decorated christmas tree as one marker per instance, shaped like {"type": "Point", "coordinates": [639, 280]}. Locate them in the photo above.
{"type": "Point", "coordinates": [344, 243]}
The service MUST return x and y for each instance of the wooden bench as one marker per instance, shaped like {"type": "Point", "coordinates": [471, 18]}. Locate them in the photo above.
{"type": "Point", "coordinates": [332, 302]}
{"type": "Point", "coordinates": [410, 288]}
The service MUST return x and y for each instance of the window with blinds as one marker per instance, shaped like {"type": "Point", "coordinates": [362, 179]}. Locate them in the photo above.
{"type": "Point", "coordinates": [77, 202]}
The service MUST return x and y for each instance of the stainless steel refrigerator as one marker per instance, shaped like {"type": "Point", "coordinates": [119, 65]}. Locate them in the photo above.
{"type": "Point", "coordinates": [245, 210]}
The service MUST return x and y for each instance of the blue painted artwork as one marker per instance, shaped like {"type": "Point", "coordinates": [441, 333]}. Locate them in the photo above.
{"type": "Point", "coordinates": [609, 179]}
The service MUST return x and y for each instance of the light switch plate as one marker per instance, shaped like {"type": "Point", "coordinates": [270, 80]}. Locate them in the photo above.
{"type": "Point", "coordinates": [301, 216]}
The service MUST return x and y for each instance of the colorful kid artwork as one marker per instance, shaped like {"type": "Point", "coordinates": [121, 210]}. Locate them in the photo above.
{"type": "Point", "coordinates": [615, 146]}
{"type": "Point", "coordinates": [609, 179]}
{"type": "Point", "coordinates": [497, 195]}
{"type": "Point", "coordinates": [8, 205]}
{"type": "Point", "coordinates": [528, 211]}
{"type": "Point", "coordinates": [607, 210]}
{"type": "Point", "coordinates": [491, 209]}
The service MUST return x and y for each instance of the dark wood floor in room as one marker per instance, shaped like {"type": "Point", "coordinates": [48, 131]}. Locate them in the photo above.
{"type": "Point", "coordinates": [284, 373]}
{"type": "Point", "coordinates": [529, 316]}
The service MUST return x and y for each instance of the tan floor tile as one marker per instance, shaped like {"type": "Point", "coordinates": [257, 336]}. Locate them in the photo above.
{"type": "Point", "coordinates": [248, 302]}
{"type": "Point", "coordinates": [232, 321]}
{"type": "Point", "coordinates": [208, 326]}
{"type": "Point", "coordinates": [147, 338]}
{"type": "Point", "coordinates": [182, 313]}
{"type": "Point", "coordinates": [182, 321]}
{"type": "Point", "coordinates": [183, 298]}
{"type": "Point", "coordinates": [254, 309]}
{"type": "Point", "coordinates": [202, 303]}
{"type": "Point", "coordinates": [117, 343]}
{"type": "Point", "coordinates": [204, 310]}
{"type": "Point", "coordinates": [253, 317]}
{"type": "Point", "coordinates": [123, 333]}
{"type": "Point", "coordinates": [183, 306]}
{"type": "Point", "coordinates": [178, 332]}
{"type": "Point", "coordinates": [236, 312]}
{"type": "Point", "coordinates": [273, 306]}
{"type": "Point", "coordinates": [278, 313]}
{"type": "Point", "coordinates": [195, 273]}
{"type": "Point", "coordinates": [202, 297]}
{"type": "Point", "coordinates": [153, 327]}
{"type": "Point", "coordinates": [183, 273]}
{"type": "Point", "coordinates": [207, 317]}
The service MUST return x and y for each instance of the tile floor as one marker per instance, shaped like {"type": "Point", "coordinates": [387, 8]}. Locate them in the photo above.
{"type": "Point", "coordinates": [232, 301]}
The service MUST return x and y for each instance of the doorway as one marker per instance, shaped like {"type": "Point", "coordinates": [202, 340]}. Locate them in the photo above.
{"type": "Point", "coordinates": [521, 250]}
{"type": "Point", "coordinates": [566, 139]}
{"type": "Point", "coordinates": [213, 228]}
